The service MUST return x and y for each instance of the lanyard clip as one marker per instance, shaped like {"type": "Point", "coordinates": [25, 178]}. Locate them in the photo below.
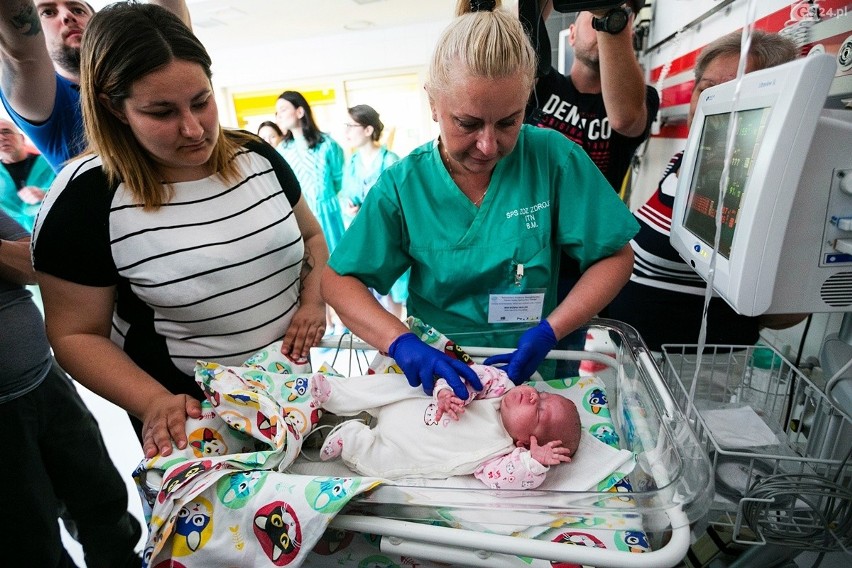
{"type": "Point", "coordinates": [519, 274]}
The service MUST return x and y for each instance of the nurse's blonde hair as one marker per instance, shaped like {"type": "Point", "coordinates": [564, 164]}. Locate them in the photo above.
{"type": "Point", "coordinates": [486, 43]}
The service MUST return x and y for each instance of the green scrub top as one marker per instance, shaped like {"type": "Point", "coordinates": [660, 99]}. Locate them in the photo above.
{"type": "Point", "coordinates": [41, 175]}
{"type": "Point", "coordinates": [546, 194]}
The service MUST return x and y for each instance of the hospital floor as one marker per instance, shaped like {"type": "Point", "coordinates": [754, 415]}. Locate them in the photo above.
{"type": "Point", "coordinates": [126, 452]}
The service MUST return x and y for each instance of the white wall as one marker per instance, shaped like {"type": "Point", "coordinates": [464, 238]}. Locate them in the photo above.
{"type": "Point", "coordinates": [328, 62]}
{"type": "Point", "coordinates": [332, 56]}
{"type": "Point", "coordinates": [322, 60]}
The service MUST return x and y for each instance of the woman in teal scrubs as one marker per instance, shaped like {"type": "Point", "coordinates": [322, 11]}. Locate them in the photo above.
{"type": "Point", "coordinates": [479, 216]}
{"type": "Point", "coordinates": [368, 161]}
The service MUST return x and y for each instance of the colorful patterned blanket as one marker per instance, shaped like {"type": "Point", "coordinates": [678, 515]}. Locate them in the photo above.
{"type": "Point", "coordinates": [223, 500]}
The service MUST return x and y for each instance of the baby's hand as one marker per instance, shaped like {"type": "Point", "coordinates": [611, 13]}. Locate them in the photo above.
{"type": "Point", "coordinates": [551, 453]}
{"type": "Point", "coordinates": [450, 404]}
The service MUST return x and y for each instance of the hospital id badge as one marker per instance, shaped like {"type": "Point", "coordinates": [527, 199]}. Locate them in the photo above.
{"type": "Point", "coordinates": [515, 306]}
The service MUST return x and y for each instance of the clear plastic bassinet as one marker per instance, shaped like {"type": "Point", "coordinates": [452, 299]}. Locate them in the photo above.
{"type": "Point", "coordinates": [670, 486]}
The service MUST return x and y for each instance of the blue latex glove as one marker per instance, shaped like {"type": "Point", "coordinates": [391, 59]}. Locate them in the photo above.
{"type": "Point", "coordinates": [533, 347]}
{"type": "Point", "coordinates": [421, 364]}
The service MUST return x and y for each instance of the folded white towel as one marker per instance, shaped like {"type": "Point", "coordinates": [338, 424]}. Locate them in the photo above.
{"type": "Point", "coordinates": [593, 462]}
{"type": "Point", "coordinates": [738, 428]}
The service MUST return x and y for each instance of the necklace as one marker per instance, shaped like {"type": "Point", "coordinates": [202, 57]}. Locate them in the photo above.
{"type": "Point", "coordinates": [481, 197]}
{"type": "Point", "coordinates": [445, 156]}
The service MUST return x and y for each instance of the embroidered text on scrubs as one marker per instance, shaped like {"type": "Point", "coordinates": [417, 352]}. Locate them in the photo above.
{"type": "Point", "coordinates": [528, 213]}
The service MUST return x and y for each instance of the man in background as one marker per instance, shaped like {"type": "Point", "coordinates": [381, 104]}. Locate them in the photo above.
{"type": "Point", "coordinates": [40, 70]}
{"type": "Point", "coordinates": [664, 299]}
{"type": "Point", "coordinates": [24, 177]}
{"type": "Point", "coordinates": [603, 103]}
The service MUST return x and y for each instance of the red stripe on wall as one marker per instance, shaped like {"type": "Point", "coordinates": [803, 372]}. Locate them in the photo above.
{"type": "Point", "coordinates": [676, 130]}
{"type": "Point", "coordinates": [679, 65]}
{"type": "Point", "coordinates": [774, 22]}
{"type": "Point", "coordinates": [679, 94]}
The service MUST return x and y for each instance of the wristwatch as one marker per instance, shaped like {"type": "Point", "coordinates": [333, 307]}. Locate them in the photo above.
{"type": "Point", "coordinates": [613, 22]}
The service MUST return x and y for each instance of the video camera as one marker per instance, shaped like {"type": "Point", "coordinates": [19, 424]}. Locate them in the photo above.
{"type": "Point", "coordinates": [581, 5]}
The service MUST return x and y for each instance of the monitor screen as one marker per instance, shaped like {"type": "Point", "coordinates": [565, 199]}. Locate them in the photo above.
{"type": "Point", "coordinates": [785, 244]}
{"type": "Point", "coordinates": [700, 215]}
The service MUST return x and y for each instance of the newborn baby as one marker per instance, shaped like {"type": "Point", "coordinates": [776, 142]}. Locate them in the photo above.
{"type": "Point", "coordinates": [505, 435]}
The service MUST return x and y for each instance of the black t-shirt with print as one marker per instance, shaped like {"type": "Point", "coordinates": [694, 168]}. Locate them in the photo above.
{"type": "Point", "coordinates": [558, 105]}
{"type": "Point", "coordinates": [581, 117]}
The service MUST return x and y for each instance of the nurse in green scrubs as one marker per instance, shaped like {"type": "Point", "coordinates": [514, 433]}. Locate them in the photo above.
{"type": "Point", "coordinates": [479, 216]}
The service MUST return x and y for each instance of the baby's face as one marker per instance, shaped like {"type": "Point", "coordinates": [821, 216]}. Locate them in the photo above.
{"type": "Point", "coordinates": [527, 412]}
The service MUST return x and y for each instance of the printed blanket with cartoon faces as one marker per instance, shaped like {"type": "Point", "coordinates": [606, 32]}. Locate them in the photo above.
{"type": "Point", "coordinates": [222, 501]}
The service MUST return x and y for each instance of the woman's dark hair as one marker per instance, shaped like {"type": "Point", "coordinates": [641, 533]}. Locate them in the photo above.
{"type": "Point", "coordinates": [365, 115]}
{"type": "Point", "coordinates": [123, 43]}
{"type": "Point", "coordinates": [271, 125]}
{"type": "Point", "coordinates": [310, 130]}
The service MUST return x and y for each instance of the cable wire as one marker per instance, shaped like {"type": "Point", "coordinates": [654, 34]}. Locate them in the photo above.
{"type": "Point", "coordinates": [820, 517]}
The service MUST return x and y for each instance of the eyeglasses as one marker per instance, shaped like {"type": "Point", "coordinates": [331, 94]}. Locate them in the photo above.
{"type": "Point", "coordinates": [353, 125]}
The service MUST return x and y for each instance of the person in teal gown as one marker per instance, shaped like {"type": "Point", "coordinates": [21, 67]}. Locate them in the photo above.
{"type": "Point", "coordinates": [316, 159]}
{"type": "Point", "coordinates": [368, 161]}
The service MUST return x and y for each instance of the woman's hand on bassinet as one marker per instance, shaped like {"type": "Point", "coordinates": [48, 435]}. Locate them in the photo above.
{"type": "Point", "coordinates": [551, 453]}
{"type": "Point", "coordinates": [306, 330]}
{"type": "Point", "coordinates": [165, 421]}
{"type": "Point", "coordinates": [449, 404]}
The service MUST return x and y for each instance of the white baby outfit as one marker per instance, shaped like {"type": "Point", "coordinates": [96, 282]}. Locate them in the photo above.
{"type": "Point", "coordinates": [407, 439]}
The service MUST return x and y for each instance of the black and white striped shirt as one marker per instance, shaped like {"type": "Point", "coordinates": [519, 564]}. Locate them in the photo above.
{"type": "Point", "coordinates": [212, 275]}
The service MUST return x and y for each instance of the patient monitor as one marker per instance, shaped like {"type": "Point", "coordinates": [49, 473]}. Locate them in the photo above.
{"type": "Point", "coordinates": [786, 232]}
{"type": "Point", "coordinates": [785, 244]}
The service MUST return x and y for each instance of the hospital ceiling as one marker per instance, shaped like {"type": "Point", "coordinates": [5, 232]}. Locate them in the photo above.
{"type": "Point", "coordinates": [223, 24]}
